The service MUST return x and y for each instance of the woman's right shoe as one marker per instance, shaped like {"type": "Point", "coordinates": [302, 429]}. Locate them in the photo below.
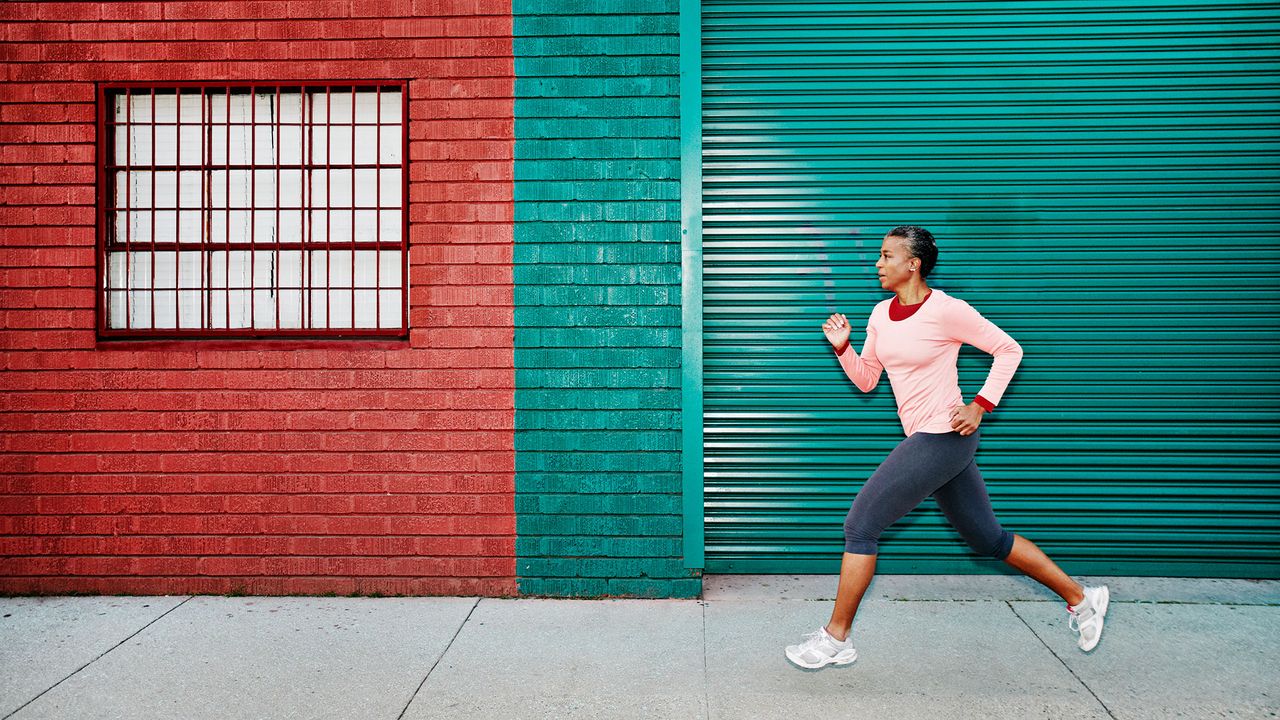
{"type": "Point", "coordinates": [820, 649]}
{"type": "Point", "coordinates": [1086, 618]}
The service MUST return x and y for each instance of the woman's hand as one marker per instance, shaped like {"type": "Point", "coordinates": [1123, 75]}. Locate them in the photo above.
{"type": "Point", "coordinates": [836, 328]}
{"type": "Point", "coordinates": [965, 419]}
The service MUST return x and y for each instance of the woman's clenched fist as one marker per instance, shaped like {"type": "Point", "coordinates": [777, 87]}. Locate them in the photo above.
{"type": "Point", "coordinates": [836, 328]}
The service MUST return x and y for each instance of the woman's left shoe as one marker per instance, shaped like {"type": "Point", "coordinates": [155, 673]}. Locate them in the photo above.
{"type": "Point", "coordinates": [820, 649]}
{"type": "Point", "coordinates": [1086, 618]}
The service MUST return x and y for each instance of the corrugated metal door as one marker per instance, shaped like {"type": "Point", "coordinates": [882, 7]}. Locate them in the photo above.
{"type": "Point", "coordinates": [1104, 182]}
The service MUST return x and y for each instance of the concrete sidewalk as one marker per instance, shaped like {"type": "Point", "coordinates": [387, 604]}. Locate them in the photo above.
{"type": "Point", "coordinates": [929, 647]}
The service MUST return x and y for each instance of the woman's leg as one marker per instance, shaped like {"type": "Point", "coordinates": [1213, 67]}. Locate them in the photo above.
{"type": "Point", "coordinates": [915, 468]}
{"type": "Point", "coordinates": [856, 572]}
{"type": "Point", "coordinates": [1032, 561]}
{"type": "Point", "coordinates": [965, 502]}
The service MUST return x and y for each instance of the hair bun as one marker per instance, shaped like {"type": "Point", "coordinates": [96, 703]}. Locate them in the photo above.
{"type": "Point", "coordinates": [921, 244]}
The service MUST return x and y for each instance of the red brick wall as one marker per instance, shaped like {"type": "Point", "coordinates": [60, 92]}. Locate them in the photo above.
{"type": "Point", "coordinates": [259, 467]}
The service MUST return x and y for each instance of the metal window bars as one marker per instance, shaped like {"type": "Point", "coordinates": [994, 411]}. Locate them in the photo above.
{"type": "Point", "coordinates": [253, 210]}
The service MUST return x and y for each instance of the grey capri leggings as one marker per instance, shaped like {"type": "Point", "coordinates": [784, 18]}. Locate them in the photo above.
{"type": "Point", "coordinates": [924, 464]}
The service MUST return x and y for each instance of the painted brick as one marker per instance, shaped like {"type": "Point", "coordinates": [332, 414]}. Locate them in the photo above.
{"type": "Point", "coordinates": [605, 65]}
{"type": "Point", "coordinates": [650, 588]}
{"type": "Point", "coordinates": [564, 587]}
{"type": "Point", "coordinates": [645, 504]}
{"type": "Point", "coordinates": [319, 8]}
{"type": "Point", "coordinates": [609, 148]}
{"type": "Point", "coordinates": [596, 170]}
{"type": "Point", "coordinates": [606, 190]}
{"type": "Point", "coordinates": [381, 8]}
{"type": "Point", "coordinates": [68, 11]}
{"type": "Point", "coordinates": [539, 483]}
{"type": "Point", "coordinates": [132, 11]}
{"type": "Point", "coordinates": [371, 467]}
{"type": "Point", "coordinates": [596, 567]}
{"type": "Point", "coordinates": [597, 291]}
{"type": "Point", "coordinates": [644, 547]}
{"type": "Point", "coordinates": [630, 22]}
{"type": "Point", "coordinates": [604, 7]}
{"type": "Point", "coordinates": [627, 357]}
{"type": "Point", "coordinates": [622, 399]}
{"type": "Point", "coordinates": [599, 107]}
{"type": "Point", "coordinates": [599, 45]}
{"type": "Point", "coordinates": [583, 378]}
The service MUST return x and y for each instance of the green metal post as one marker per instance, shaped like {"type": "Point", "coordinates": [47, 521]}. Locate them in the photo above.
{"type": "Point", "coordinates": [691, 275]}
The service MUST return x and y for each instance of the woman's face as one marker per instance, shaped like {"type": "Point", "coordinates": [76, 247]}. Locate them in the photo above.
{"type": "Point", "coordinates": [895, 263]}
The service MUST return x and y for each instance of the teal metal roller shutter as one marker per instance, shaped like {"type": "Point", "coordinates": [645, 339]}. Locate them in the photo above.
{"type": "Point", "coordinates": [1103, 179]}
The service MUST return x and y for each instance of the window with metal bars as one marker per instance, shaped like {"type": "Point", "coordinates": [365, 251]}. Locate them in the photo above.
{"type": "Point", "coordinates": [253, 211]}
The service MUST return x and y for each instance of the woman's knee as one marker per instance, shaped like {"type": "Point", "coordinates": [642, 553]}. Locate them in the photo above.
{"type": "Point", "coordinates": [860, 537]}
{"type": "Point", "coordinates": [997, 545]}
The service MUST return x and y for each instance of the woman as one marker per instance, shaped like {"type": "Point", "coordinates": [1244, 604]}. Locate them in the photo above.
{"type": "Point", "coordinates": [916, 336]}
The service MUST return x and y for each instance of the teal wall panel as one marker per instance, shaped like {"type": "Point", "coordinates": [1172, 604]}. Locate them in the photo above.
{"type": "Point", "coordinates": [597, 278]}
{"type": "Point", "coordinates": [1103, 178]}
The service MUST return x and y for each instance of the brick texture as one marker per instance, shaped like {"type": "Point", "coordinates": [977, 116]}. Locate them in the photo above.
{"type": "Point", "coordinates": [258, 467]}
{"type": "Point", "coordinates": [597, 269]}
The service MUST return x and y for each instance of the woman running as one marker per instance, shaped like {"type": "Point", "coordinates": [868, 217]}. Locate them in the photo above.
{"type": "Point", "coordinates": [916, 336]}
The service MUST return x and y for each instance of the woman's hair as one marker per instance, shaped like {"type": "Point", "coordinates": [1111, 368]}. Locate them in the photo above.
{"type": "Point", "coordinates": [920, 243]}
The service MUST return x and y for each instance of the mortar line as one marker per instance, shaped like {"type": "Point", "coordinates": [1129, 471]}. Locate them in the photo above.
{"type": "Point", "coordinates": [113, 647]}
{"type": "Point", "coordinates": [1064, 664]}
{"type": "Point", "coordinates": [438, 659]}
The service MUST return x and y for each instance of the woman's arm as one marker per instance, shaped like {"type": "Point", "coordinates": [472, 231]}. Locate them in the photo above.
{"type": "Point", "coordinates": [864, 371]}
{"type": "Point", "coordinates": [969, 326]}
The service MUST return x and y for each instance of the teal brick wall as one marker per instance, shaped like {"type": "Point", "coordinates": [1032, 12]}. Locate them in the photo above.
{"type": "Point", "coordinates": [597, 294]}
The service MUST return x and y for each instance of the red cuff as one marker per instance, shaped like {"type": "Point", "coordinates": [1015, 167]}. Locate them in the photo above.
{"type": "Point", "coordinates": [985, 403]}
{"type": "Point", "coordinates": [841, 350]}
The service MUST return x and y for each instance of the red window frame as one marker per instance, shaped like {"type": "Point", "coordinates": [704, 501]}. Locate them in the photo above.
{"type": "Point", "coordinates": [108, 208]}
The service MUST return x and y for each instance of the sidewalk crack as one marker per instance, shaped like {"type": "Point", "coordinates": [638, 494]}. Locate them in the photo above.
{"type": "Point", "coordinates": [1059, 659]}
{"type": "Point", "coordinates": [100, 655]}
{"type": "Point", "coordinates": [461, 625]}
{"type": "Point", "coordinates": [706, 691]}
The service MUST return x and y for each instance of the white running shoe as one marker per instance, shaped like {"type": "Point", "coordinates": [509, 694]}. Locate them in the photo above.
{"type": "Point", "coordinates": [1086, 618]}
{"type": "Point", "coordinates": [820, 649]}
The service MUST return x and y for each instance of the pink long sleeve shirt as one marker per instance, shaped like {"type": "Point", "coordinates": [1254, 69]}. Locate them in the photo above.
{"type": "Point", "coordinates": [920, 353]}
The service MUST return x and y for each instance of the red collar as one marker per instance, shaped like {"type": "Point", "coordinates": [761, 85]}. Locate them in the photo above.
{"type": "Point", "coordinates": [898, 311]}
